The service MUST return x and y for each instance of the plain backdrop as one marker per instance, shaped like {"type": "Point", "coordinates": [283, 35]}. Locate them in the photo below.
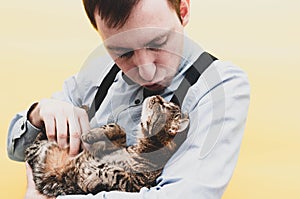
{"type": "Point", "coordinates": [44, 42]}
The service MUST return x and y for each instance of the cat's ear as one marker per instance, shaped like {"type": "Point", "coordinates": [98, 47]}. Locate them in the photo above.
{"type": "Point", "coordinates": [183, 124]}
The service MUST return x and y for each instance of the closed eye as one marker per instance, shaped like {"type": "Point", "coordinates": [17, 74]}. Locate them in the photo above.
{"type": "Point", "coordinates": [156, 46]}
{"type": "Point", "coordinates": [127, 54]}
{"type": "Point", "coordinates": [120, 52]}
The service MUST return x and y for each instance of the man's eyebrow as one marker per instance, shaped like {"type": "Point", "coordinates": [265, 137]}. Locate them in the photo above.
{"type": "Point", "coordinates": [119, 49]}
{"type": "Point", "coordinates": [124, 49]}
{"type": "Point", "coordinates": [158, 38]}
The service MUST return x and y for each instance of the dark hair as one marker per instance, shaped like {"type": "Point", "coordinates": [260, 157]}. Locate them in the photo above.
{"type": "Point", "coordinates": [116, 12]}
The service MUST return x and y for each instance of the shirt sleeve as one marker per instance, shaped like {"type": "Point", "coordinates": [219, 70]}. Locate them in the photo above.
{"type": "Point", "coordinates": [78, 90]}
{"type": "Point", "coordinates": [22, 133]}
{"type": "Point", "coordinates": [204, 164]}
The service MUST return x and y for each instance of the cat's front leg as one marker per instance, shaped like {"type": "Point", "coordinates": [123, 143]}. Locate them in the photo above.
{"type": "Point", "coordinates": [112, 132]}
{"type": "Point", "coordinates": [105, 139]}
{"type": "Point", "coordinates": [94, 135]}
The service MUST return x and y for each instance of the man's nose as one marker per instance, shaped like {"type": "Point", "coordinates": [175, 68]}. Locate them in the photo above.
{"type": "Point", "coordinates": [145, 61]}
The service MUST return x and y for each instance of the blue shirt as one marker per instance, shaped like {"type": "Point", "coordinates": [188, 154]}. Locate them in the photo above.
{"type": "Point", "coordinates": [217, 106]}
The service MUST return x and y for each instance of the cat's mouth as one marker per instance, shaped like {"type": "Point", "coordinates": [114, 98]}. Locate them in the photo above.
{"type": "Point", "coordinates": [145, 113]}
{"type": "Point", "coordinates": [150, 118]}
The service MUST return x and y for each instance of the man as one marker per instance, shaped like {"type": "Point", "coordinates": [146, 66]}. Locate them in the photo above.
{"type": "Point", "coordinates": [145, 39]}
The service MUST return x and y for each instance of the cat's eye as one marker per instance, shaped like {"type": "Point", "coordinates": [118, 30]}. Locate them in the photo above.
{"type": "Point", "coordinates": [152, 102]}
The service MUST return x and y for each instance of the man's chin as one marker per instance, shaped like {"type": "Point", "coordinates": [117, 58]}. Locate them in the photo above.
{"type": "Point", "coordinates": [155, 87]}
{"type": "Point", "coordinates": [149, 91]}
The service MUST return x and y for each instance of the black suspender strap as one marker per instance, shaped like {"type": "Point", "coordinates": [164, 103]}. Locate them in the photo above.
{"type": "Point", "coordinates": [105, 85]}
{"type": "Point", "coordinates": [192, 75]}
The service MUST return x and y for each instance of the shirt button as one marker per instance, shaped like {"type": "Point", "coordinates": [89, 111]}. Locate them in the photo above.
{"type": "Point", "coordinates": [137, 101]}
{"type": "Point", "coordinates": [22, 126]}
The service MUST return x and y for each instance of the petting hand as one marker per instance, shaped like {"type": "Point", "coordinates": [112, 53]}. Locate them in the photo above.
{"type": "Point", "coordinates": [62, 121]}
{"type": "Point", "coordinates": [31, 192]}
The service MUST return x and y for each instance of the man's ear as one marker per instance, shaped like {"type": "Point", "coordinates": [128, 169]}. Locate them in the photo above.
{"type": "Point", "coordinates": [185, 11]}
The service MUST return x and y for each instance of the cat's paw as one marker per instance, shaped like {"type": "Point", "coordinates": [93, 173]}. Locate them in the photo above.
{"type": "Point", "coordinates": [115, 134]}
{"type": "Point", "coordinates": [91, 136]}
{"type": "Point", "coordinates": [97, 134]}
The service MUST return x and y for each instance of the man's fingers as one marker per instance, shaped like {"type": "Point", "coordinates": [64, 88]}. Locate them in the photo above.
{"type": "Point", "coordinates": [84, 123]}
{"type": "Point", "coordinates": [50, 128]}
{"type": "Point", "coordinates": [85, 127]}
{"type": "Point", "coordinates": [64, 123]}
{"type": "Point", "coordinates": [75, 133]}
{"type": "Point", "coordinates": [61, 131]}
{"type": "Point", "coordinates": [78, 124]}
{"type": "Point", "coordinates": [74, 142]}
{"type": "Point", "coordinates": [30, 182]}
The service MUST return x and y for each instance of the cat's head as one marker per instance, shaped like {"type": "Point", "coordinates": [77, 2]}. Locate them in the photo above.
{"type": "Point", "coordinates": [158, 113]}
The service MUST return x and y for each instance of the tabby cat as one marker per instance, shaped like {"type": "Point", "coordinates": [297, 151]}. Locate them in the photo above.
{"type": "Point", "coordinates": [108, 164]}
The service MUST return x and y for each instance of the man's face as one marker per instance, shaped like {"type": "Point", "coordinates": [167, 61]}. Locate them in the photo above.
{"type": "Point", "coordinates": [149, 46]}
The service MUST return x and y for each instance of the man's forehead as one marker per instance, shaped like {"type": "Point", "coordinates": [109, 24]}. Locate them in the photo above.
{"type": "Point", "coordinates": [136, 37]}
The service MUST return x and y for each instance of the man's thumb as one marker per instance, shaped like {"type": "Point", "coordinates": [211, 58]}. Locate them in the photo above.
{"type": "Point", "coordinates": [29, 175]}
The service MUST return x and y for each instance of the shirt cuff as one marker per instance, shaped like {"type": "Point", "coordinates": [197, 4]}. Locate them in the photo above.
{"type": "Point", "coordinates": [21, 135]}
{"type": "Point", "coordinates": [28, 127]}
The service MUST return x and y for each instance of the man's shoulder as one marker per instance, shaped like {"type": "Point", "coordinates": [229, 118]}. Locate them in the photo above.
{"type": "Point", "coordinates": [95, 68]}
{"type": "Point", "coordinates": [227, 70]}
{"type": "Point", "coordinates": [220, 74]}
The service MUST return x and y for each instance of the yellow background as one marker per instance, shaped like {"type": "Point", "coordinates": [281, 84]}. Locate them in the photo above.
{"type": "Point", "coordinates": [44, 42]}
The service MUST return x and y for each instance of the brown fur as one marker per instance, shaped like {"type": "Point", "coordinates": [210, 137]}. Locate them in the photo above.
{"type": "Point", "coordinates": [109, 164]}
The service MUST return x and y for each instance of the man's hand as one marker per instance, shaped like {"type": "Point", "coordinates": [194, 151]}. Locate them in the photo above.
{"type": "Point", "coordinates": [62, 121]}
{"type": "Point", "coordinates": [31, 192]}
